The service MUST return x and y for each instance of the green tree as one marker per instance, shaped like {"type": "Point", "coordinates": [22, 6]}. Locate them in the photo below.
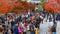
{"type": "Point", "coordinates": [40, 4]}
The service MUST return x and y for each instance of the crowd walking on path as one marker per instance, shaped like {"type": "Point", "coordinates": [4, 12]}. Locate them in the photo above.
{"type": "Point", "coordinates": [30, 23]}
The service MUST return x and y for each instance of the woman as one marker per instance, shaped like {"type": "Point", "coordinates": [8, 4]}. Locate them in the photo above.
{"type": "Point", "coordinates": [19, 29]}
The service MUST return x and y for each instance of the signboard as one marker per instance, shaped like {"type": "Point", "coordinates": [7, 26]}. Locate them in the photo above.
{"type": "Point", "coordinates": [33, 1]}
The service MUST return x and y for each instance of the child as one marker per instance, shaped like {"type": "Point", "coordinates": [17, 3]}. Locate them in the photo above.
{"type": "Point", "coordinates": [36, 30]}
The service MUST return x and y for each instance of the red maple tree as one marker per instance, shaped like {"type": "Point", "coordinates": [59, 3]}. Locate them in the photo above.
{"type": "Point", "coordinates": [14, 6]}
{"type": "Point", "coordinates": [52, 5]}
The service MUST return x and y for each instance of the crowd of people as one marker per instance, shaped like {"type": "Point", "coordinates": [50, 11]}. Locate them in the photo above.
{"type": "Point", "coordinates": [26, 23]}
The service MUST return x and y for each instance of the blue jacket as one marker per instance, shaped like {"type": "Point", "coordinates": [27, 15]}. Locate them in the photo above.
{"type": "Point", "coordinates": [58, 17]}
{"type": "Point", "coordinates": [15, 30]}
{"type": "Point", "coordinates": [32, 32]}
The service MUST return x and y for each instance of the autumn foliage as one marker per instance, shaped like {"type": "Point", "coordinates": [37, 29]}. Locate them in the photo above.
{"type": "Point", "coordinates": [52, 5]}
{"type": "Point", "coordinates": [15, 6]}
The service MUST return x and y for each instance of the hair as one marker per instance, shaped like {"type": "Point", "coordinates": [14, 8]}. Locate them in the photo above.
{"type": "Point", "coordinates": [11, 30]}
{"type": "Point", "coordinates": [36, 26]}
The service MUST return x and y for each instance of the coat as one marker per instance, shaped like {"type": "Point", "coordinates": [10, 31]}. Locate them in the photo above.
{"type": "Point", "coordinates": [58, 17]}
{"type": "Point", "coordinates": [15, 30]}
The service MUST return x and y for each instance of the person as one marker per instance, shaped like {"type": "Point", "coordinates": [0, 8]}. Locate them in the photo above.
{"type": "Point", "coordinates": [19, 29]}
{"type": "Point", "coordinates": [28, 28]}
{"type": "Point", "coordinates": [22, 25]}
{"type": "Point", "coordinates": [15, 29]}
{"type": "Point", "coordinates": [53, 29]}
{"type": "Point", "coordinates": [9, 31]}
{"type": "Point", "coordinates": [32, 29]}
{"type": "Point", "coordinates": [49, 30]}
{"type": "Point", "coordinates": [58, 17]}
{"type": "Point", "coordinates": [38, 21]}
{"type": "Point", "coordinates": [36, 30]}
{"type": "Point", "coordinates": [50, 24]}
{"type": "Point", "coordinates": [1, 29]}
{"type": "Point", "coordinates": [9, 24]}
{"type": "Point", "coordinates": [50, 17]}
{"type": "Point", "coordinates": [0, 20]}
{"type": "Point", "coordinates": [25, 28]}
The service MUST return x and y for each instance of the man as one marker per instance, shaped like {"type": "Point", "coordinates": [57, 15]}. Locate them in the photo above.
{"type": "Point", "coordinates": [58, 17]}
{"type": "Point", "coordinates": [32, 29]}
{"type": "Point", "coordinates": [54, 28]}
{"type": "Point", "coordinates": [15, 29]}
